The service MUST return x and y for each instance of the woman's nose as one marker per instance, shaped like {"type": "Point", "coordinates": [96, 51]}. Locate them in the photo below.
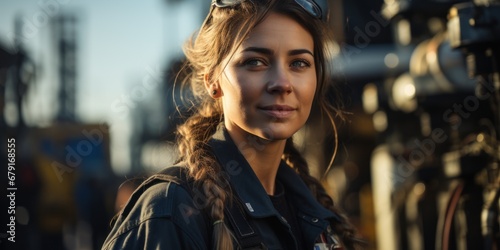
{"type": "Point", "coordinates": [279, 82]}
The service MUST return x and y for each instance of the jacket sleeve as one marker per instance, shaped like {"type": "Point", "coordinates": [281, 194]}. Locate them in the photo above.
{"type": "Point", "coordinates": [163, 217]}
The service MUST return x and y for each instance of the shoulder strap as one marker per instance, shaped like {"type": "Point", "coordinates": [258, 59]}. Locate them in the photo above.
{"type": "Point", "coordinates": [243, 229]}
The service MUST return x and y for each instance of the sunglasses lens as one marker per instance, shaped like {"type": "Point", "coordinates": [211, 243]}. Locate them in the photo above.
{"type": "Point", "coordinates": [309, 7]}
{"type": "Point", "coordinates": [312, 7]}
{"type": "Point", "coordinates": [225, 3]}
{"type": "Point", "coordinates": [316, 8]}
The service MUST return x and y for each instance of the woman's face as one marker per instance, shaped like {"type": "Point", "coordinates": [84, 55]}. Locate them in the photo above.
{"type": "Point", "coordinates": [268, 85]}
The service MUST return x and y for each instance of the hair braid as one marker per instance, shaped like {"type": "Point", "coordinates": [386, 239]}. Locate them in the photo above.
{"type": "Point", "coordinates": [345, 229]}
{"type": "Point", "coordinates": [193, 137]}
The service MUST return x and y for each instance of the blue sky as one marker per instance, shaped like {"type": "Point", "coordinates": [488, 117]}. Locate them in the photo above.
{"type": "Point", "coordinates": [120, 43]}
{"type": "Point", "coordinates": [118, 40]}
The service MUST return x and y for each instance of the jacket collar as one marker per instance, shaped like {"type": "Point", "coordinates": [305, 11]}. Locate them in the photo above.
{"type": "Point", "coordinates": [248, 187]}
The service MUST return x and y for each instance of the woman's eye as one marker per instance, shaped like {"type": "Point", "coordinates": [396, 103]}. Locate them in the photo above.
{"type": "Point", "coordinates": [254, 62]}
{"type": "Point", "coordinates": [300, 64]}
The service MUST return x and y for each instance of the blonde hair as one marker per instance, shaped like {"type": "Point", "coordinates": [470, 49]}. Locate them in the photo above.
{"type": "Point", "coordinates": [222, 32]}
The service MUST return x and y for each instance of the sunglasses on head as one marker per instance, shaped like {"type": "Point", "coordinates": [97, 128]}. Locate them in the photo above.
{"type": "Point", "coordinates": [316, 8]}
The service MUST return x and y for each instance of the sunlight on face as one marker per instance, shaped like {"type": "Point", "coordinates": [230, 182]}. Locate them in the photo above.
{"type": "Point", "coordinates": [269, 83]}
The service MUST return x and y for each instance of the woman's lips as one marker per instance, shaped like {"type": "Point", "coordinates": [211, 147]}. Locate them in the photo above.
{"type": "Point", "coordinates": [278, 111]}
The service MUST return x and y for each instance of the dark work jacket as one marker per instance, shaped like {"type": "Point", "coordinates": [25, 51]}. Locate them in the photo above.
{"type": "Point", "coordinates": [166, 215]}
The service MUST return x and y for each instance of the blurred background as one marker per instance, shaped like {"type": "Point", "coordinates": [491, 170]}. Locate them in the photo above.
{"type": "Point", "coordinates": [86, 92]}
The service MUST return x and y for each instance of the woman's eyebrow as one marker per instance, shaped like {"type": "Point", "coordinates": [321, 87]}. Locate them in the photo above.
{"type": "Point", "coordinates": [259, 50]}
{"type": "Point", "coordinates": [267, 51]}
{"type": "Point", "coordinates": [300, 51]}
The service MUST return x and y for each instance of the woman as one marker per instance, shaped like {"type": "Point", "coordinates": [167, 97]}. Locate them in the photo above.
{"type": "Point", "coordinates": [255, 69]}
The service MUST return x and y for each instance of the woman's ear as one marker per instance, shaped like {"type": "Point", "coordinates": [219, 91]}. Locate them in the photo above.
{"type": "Point", "coordinates": [212, 86]}
{"type": "Point", "coordinates": [206, 81]}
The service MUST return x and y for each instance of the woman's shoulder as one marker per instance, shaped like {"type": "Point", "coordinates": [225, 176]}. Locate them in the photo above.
{"type": "Point", "coordinates": [160, 205]}
{"type": "Point", "coordinates": [159, 200]}
{"type": "Point", "coordinates": [162, 196]}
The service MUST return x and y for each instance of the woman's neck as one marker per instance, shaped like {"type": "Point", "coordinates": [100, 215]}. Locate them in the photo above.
{"type": "Point", "coordinates": [265, 164]}
{"type": "Point", "coordinates": [263, 156]}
